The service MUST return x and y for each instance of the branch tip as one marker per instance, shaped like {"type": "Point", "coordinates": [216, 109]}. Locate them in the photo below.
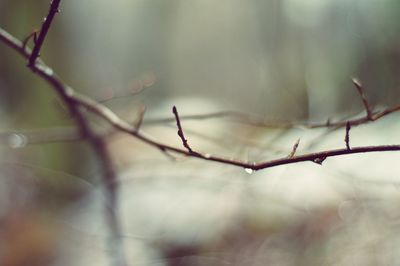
{"type": "Point", "coordinates": [31, 35]}
{"type": "Point", "coordinates": [75, 101]}
{"type": "Point", "coordinates": [54, 8]}
{"type": "Point", "coordinates": [139, 120]}
{"type": "Point", "coordinates": [328, 122]}
{"type": "Point", "coordinates": [180, 130]}
{"type": "Point", "coordinates": [347, 136]}
{"type": "Point", "coordinates": [361, 92]}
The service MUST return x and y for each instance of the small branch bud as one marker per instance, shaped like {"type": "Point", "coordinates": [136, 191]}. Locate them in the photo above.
{"type": "Point", "coordinates": [319, 160]}
{"type": "Point", "coordinates": [347, 136]}
{"type": "Point", "coordinates": [294, 149]}
{"type": "Point", "coordinates": [180, 130]}
{"type": "Point", "coordinates": [30, 36]}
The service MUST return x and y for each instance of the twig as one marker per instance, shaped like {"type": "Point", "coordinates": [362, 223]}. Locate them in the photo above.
{"type": "Point", "coordinates": [139, 121]}
{"type": "Point", "coordinates": [364, 99]}
{"type": "Point", "coordinates": [180, 130]}
{"type": "Point", "coordinates": [386, 112]}
{"type": "Point", "coordinates": [103, 112]}
{"type": "Point", "coordinates": [347, 136]}
{"type": "Point", "coordinates": [255, 121]}
{"type": "Point", "coordinates": [75, 101]}
{"type": "Point", "coordinates": [167, 154]}
{"type": "Point", "coordinates": [294, 149]}
{"type": "Point", "coordinates": [68, 94]}
{"type": "Point", "coordinates": [328, 122]}
{"type": "Point", "coordinates": [43, 32]}
{"type": "Point", "coordinates": [33, 35]}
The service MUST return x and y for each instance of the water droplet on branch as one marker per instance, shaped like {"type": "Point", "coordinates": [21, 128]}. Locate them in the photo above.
{"type": "Point", "coordinates": [249, 170]}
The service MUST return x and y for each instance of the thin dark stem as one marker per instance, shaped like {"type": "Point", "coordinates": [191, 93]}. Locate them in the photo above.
{"type": "Point", "coordinates": [321, 156]}
{"type": "Point", "coordinates": [68, 94]}
{"type": "Point", "coordinates": [139, 121]}
{"type": "Point", "coordinates": [54, 9]}
{"type": "Point", "coordinates": [252, 120]}
{"type": "Point", "coordinates": [364, 99]}
{"type": "Point", "coordinates": [347, 136]}
{"type": "Point", "coordinates": [318, 157]}
{"type": "Point", "coordinates": [180, 130]}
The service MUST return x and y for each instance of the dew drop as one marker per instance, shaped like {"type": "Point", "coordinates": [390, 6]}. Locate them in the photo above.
{"type": "Point", "coordinates": [249, 170]}
{"type": "Point", "coordinates": [16, 141]}
{"type": "Point", "coordinates": [48, 71]}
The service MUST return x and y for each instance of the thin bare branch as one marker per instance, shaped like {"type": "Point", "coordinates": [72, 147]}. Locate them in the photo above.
{"type": "Point", "coordinates": [167, 154]}
{"type": "Point", "coordinates": [53, 10]}
{"type": "Point", "coordinates": [386, 112]}
{"type": "Point", "coordinates": [68, 94]}
{"type": "Point", "coordinates": [139, 121]}
{"type": "Point", "coordinates": [318, 157]}
{"type": "Point", "coordinates": [364, 99]}
{"type": "Point", "coordinates": [180, 130]}
{"type": "Point", "coordinates": [253, 120]}
{"type": "Point", "coordinates": [347, 136]}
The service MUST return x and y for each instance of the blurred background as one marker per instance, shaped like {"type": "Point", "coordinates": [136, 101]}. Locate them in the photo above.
{"type": "Point", "coordinates": [277, 60]}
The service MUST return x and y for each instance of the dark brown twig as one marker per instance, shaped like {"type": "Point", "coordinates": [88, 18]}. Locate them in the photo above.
{"type": "Point", "coordinates": [328, 122]}
{"type": "Point", "coordinates": [54, 9]}
{"type": "Point", "coordinates": [68, 94]}
{"type": "Point", "coordinates": [180, 130]}
{"type": "Point", "coordinates": [318, 157]}
{"type": "Point", "coordinates": [364, 99]}
{"type": "Point", "coordinates": [347, 136]}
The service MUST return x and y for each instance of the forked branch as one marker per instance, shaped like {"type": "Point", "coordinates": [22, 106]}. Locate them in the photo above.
{"type": "Point", "coordinates": [54, 9]}
{"type": "Point", "coordinates": [70, 96]}
{"type": "Point", "coordinates": [75, 102]}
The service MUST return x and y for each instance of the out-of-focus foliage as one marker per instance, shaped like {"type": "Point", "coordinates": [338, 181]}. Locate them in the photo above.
{"type": "Point", "coordinates": [278, 59]}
